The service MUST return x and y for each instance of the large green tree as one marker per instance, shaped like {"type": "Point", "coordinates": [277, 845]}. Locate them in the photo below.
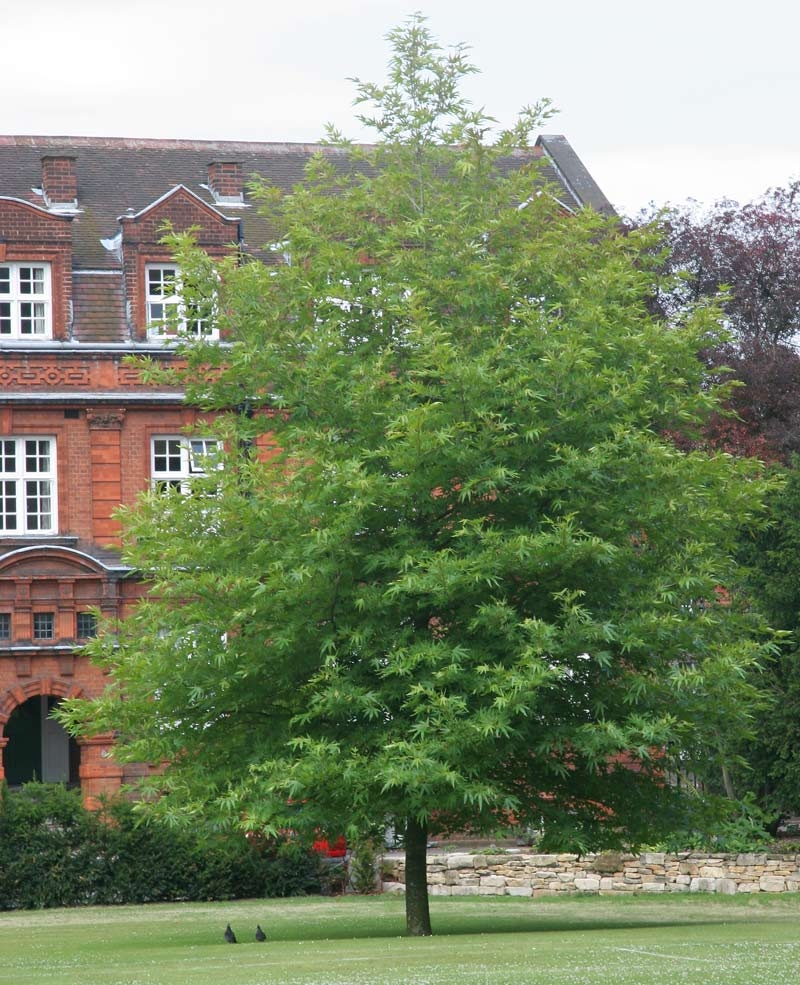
{"type": "Point", "coordinates": [450, 573]}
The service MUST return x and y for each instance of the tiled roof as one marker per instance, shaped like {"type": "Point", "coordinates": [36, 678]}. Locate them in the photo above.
{"type": "Point", "coordinates": [117, 176]}
{"type": "Point", "coordinates": [98, 307]}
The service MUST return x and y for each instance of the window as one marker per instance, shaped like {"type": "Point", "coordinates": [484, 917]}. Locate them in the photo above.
{"type": "Point", "coordinates": [27, 485]}
{"type": "Point", "coordinates": [169, 313]}
{"type": "Point", "coordinates": [25, 301]}
{"type": "Point", "coordinates": [44, 626]}
{"type": "Point", "coordinates": [175, 461]}
{"type": "Point", "coordinates": [85, 625]}
{"type": "Point", "coordinates": [5, 625]}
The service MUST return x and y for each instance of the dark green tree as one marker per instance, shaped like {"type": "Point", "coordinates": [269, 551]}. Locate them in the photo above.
{"type": "Point", "coordinates": [770, 555]}
{"type": "Point", "coordinates": [465, 579]}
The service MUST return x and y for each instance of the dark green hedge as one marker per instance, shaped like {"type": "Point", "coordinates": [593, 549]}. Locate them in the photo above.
{"type": "Point", "coordinates": [53, 852]}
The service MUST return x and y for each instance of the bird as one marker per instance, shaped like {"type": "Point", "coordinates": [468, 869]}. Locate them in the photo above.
{"type": "Point", "coordinates": [260, 935]}
{"type": "Point", "coordinates": [230, 937]}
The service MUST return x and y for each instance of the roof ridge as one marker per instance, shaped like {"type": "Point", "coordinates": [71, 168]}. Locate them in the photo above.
{"type": "Point", "coordinates": [155, 143]}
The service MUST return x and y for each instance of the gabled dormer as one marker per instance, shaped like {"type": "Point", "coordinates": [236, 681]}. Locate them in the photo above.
{"type": "Point", "coordinates": [153, 285]}
{"type": "Point", "coordinates": [35, 273]}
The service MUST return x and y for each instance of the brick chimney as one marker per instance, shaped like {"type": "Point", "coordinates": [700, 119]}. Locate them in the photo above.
{"type": "Point", "coordinates": [59, 182]}
{"type": "Point", "coordinates": [225, 182]}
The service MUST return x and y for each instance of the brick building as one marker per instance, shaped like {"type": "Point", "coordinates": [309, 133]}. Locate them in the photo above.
{"type": "Point", "coordinates": [85, 282]}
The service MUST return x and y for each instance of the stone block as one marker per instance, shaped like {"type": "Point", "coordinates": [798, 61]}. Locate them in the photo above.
{"type": "Point", "coordinates": [544, 861]}
{"type": "Point", "coordinates": [751, 858]}
{"type": "Point", "coordinates": [608, 862]}
{"type": "Point", "coordinates": [493, 881]}
{"type": "Point", "coordinates": [460, 861]}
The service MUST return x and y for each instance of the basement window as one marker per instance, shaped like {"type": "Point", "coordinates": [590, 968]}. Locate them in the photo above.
{"type": "Point", "coordinates": [86, 625]}
{"type": "Point", "coordinates": [44, 626]}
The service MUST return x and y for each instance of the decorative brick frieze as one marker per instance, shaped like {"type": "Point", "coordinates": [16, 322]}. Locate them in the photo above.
{"type": "Point", "coordinates": [22, 375]}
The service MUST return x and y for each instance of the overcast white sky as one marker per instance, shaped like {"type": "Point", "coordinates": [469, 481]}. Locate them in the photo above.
{"type": "Point", "coordinates": [662, 101]}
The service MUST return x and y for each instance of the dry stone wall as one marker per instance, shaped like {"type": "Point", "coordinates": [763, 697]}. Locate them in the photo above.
{"type": "Point", "coordinates": [527, 874]}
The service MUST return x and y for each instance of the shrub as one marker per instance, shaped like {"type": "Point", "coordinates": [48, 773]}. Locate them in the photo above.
{"type": "Point", "coordinates": [364, 867]}
{"type": "Point", "coordinates": [53, 852]}
{"type": "Point", "coordinates": [741, 827]}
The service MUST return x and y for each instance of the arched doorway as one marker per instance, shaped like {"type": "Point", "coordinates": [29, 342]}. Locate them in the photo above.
{"type": "Point", "coordinates": [38, 746]}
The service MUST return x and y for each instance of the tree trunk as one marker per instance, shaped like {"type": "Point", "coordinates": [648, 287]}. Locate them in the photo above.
{"type": "Point", "coordinates": [418, 917]}
{"type": "Point", "coordinates": [727, 782]}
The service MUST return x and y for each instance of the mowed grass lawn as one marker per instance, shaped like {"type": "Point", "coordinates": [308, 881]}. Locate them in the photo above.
{"type": "Point", "coordinates": [496, 941]}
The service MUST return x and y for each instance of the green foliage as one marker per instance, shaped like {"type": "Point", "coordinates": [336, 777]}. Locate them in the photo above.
{"type": "Point", "coordinates": [293, 870]}
{"type": "Point", "coordinates": [53, 852]}
{"type": "Point", "coordinates": [770, 555]}
{"type": "Point", "coordinates": [363, 866]}
{"type": "Point", "coordinates": [737, 827]}
{"type": "Point", "coordinates": [468, 577]}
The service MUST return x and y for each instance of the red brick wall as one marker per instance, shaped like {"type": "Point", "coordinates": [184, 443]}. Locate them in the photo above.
{"type": "Point", "coordinates": [103, 460]}
{"type": "Point", "coordinates": [32, 234]}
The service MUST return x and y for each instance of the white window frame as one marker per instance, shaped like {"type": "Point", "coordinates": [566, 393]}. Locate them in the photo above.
{"type": "Point", "coordinates": [167, 314]}
{"type": "Point", "coordinates": [28, 486]}
{"type": "Point", "coordinates": [176, 459]}
{"type": "Point", "coordinates": [26, 300]}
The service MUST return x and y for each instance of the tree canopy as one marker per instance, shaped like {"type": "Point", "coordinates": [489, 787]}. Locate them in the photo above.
{"type": "Point", "coordinates": [451, 572]}
{"type": "Point", "coordinates": [747, 258]}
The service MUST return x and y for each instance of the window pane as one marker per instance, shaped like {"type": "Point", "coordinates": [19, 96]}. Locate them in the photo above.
{"type": "Point", "coordinates": [37, 456]}
{"type": "Point", "coordinates": [167, 455]}
{"type": "Point", "coordinates": [31, 280]}
{"type": "Point", "coordinates": [38, 504]}
{"type": "Point", "coordinates": [8, 456]}
{"type": "Point", "coordinates": [8, 505]}
{"type": "Point", "coordinates": [86, 626]}
{"type": "Point", "coordinates": [44, 625]}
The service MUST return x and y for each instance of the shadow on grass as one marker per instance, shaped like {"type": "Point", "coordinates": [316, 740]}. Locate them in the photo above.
{"type": "Point", "coordinates": [345, 926]}
{"type": "Point", "coordinates": [554, 925]}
